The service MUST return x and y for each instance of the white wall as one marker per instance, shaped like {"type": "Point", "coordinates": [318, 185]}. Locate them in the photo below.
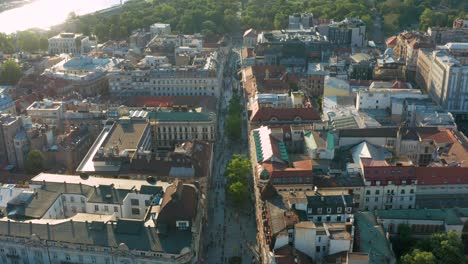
{"type": "Point", "coordinates": [304, 240]}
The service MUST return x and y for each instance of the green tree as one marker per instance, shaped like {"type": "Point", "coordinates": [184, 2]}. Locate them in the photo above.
{"type": "Point", "coordinates": [238, 192]}
{"type": "Point", "coordinates": [10, 73]}
{"type": "Point", "coordinates": [6, 43]}
{"type": "Point", "coordinates": [28, 41]}
{"type": "Point", "coordinates": [447, 247]}
{"type": "Point", "coordinates": [418, 257]}
{"type": "Point", "coordinates": [234, 119]}
{"type": "Point", "coordinates": [238, 169]}
{"type": "Point", "coordinates": [34, 162]}
{"type": "Point", "coordinates": [403, 242]}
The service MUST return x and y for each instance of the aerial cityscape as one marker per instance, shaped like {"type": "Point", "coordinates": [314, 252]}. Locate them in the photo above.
{"type": "Point", "coordinates": [234, 132]}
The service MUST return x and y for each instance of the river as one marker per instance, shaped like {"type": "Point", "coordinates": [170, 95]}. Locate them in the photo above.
{"type": "Point", "coordinates": [46, 13]}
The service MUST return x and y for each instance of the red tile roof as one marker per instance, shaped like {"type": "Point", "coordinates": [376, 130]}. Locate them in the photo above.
{"type": "Point", "coordinates": [443, 136]}
{"type": "Point", "coordinates": [285, 115]}
{"type": "Point", "coordinates": [395, 174]}
{"type": "Point", "coordinates": [441, 175]}
{"type": "Point", "coordinates": [301, 168]}
{"type": "Point", "coordinates": [391, 41]}
{"type": "Point", "coordinates": [289, 255]}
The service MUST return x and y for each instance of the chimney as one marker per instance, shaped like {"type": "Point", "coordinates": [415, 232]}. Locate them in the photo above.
{"type": "Point", "coordinates": [81, 188]}
{"type": "Point", "coordinates": [9, 229]}
{"type": "Point", "coordinates": [30, 228]}
{"type": "Point", "coordinates": [65, 186]}
{"type": "Point", "coordinates": [72, 227]}
{"type": "Point", "coordinates": [267, 74]}
{"type": "Point", "coordinates": [48, 231]}
{"type": "Point", "coordinates": [43, 184]}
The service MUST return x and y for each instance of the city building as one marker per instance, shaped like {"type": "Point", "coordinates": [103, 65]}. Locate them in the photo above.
{"type": "Point", "coordinates": [458, 33]}
{"type": "Point", "coordinates": [371, 238]}
{"type": "Point", "coordinates": [250, 38]}
{"type": "Point", "coordinates": [301, 21]}
{"type": "Point", "coordinates": [7, 105]}
{"type": "Point", "coordinates": [274, 164]}
{"type": "Point", "coordinates": [47, 112]}
{"type": "Point", "coordinates": [379, 98]}
{"type": "Point", "coordinates": [423, 222]}
{"type": "Point", "coordinates": [160, 29]}
{"type": "Point", "coordinates": [324, 208]}
{"type": "Point", "coordinates": [201, 80]}
{"type": "Point", "coordinates": [118, 143]}
{"type": "Point", "coordinates": [71, 43]}
{"type": "Point", "coordinates": [361, 67]}
{"type": "Point", "coordinates": [9, 127]}
{"type": "Point", "coordinates": [87, 74]}
{"type": "Point", "coordinates": [407, 46]}
{"type": "Point", "coordinates": [445, 80]}
{"type": "Point", "coordinates": [64, 218]}
{"type": "Point", "coordinates": [350, 31]}
{"type": "Point", "coordinates": [177, 126]}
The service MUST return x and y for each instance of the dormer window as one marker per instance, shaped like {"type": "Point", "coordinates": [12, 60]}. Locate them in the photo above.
{"type": "Point", "coordinates": [182, 225]}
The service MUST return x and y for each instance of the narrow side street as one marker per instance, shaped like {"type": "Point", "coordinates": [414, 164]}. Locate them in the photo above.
{"type": "Point", "coordinates": [228, 232]}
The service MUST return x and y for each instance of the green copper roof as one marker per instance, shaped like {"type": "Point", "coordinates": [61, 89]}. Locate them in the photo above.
{"type": "Point", "coordinates": [330, 140]}
{"type": "Point", "coordinates": [258, 146]}
{"type": "Point", "coordinates": [181, 116]}
{"type": "Point", "coordinates": [449, 216]}
{"type": "Point", "coordinates": [283, 151]}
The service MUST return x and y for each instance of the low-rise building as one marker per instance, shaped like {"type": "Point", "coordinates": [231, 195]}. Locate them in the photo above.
{"type": "Point", "coordinates": [9, 127]}
{"type": "Point", "coordinates": [67, 214]}
{"type": "Point", "coordinates": [174, 127]}
{"type": "Point", "coordinates": [118, 143]}
{"type": "Point", "coordinates": [71, 43]}
{"type": "Point", "coordinates": [423, 222]}
{"type": "Point", "coordinates": [7, 106]}
{"type": "Point", "coordinates": [173, 81]}
{"type": "Point", "coordinates": [47, 112]}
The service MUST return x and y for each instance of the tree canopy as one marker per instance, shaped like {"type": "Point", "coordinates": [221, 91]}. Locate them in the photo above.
{"type": "Point", "coordinates": [10, 72]}
{"type": "Point", "coordinates": [234, 118]}
{"type": "Point", "coordinates": [237, 173]}
{"type": "Point", "coordinates": [444, 248]}
{"type": "Point", "coordinates": [34, 160]}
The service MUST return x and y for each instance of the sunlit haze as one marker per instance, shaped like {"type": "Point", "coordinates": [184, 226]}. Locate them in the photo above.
{"type": "Point", "coordinates": [46, 13]}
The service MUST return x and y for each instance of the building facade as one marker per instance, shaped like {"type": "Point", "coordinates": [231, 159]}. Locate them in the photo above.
{"type": "Point", "coordinates": [71, 43]}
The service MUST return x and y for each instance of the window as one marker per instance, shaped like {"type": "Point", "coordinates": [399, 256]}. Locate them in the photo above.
{"type": "Point", "coordinates": [368, 192]}
{"type": "Point", "coordinates": [376, 199]}
{"type": "Point", "coordinates": [72, 199]}
{"type": "Point", "coordinates": [367, 199]}
{"type": "Point", "coordinates": [338, 218]}
{"type": "Point", "coordinates": [411, 191]}
{"type": "Point", "coordinates": [319, 210]}
{"type": "Point", "coordinates": [328, 210]}
{"type": "Point", "coordinates": [116, 209]}
{"type": "Point", "coordinates": [67, 257]}
{"type": "Point", "coordinates": [93, 259]}
{"type": "Point", "coordinates": [82, 200]}
{"type": "Point", "coordinates": [182, 225]}
{"type": "Point", "coordinates": [403, 191]}
{"type": "Point", "coordinates": [377, 192]}
{"type": "Point", "coordinates": [411, 198]}
{"type": "Point", "coordinates": [319, 238]}
{"type": "Point", "coordinates": [317, 248]}
{"type": "Point", "coordinates": [319, 219]}
{"type": "Point", "coordinates": [338, 210]}
{"type": "Point", "coordinates": [135, 202]}
{"type": "Point", "coordinates": [147, 203]}
{"type": "Point", "coordinates": [136, 211]}
{"type": "Point", "coordinates": [402, 198]}
{"type": "Point", "coordinates": [106, 208]}
{"type": "Point", "coordinates": [328, 218]}
{"type": "Point", "coordinates": [96, 207]}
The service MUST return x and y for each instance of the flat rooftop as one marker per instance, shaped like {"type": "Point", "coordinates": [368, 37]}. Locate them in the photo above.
{"type": "Point", "coordinates": [125, 135]}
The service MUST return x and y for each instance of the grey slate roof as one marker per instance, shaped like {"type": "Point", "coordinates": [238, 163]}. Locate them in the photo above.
{"type": "Point", "coordinates": [137, 237]}
{"type": "Point", "coordinates": [370, 132]}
